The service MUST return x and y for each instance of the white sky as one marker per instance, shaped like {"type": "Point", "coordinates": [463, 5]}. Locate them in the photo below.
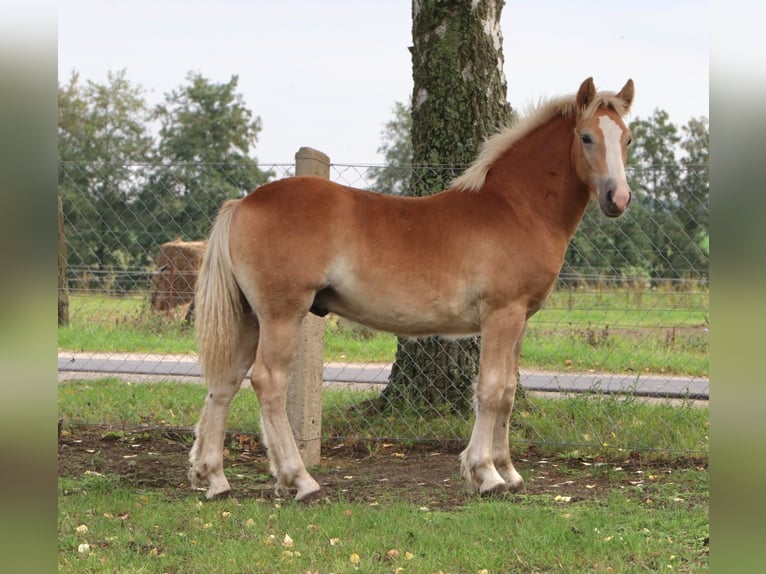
{"type": "Point", "coordinates": [326, 73]}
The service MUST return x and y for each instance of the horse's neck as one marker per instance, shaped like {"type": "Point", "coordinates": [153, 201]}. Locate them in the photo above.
{"type": "Point", "coordinates": [537, 176]}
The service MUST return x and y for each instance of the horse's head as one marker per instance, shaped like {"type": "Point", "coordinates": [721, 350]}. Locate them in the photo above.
{"type": "Point", "coordinates": [600, 146]}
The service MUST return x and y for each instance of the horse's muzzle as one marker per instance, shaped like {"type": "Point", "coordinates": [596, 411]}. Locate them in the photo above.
{"type": "Point", "coordinates": [614, 198]}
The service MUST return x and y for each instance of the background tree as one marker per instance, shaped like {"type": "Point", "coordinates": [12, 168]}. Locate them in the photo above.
{"type": "Point", "coordinates": [207, 136]}
{"type": "Point", "coordinates": [396, 147]}
{"type": "Point", "coordinates": [459, 99]}
{"type": "Point", "coordinates": [694, 194]}
{"type": "Point", "coordinates": [666, 190]}
{"type": "Point", "coordinates": [102, 133]}
{"type": "Point", "coordinates": [664, 234]}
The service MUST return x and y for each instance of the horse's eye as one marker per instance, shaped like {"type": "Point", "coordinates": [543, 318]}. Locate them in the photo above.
{"type": "Point", "coordinates": [629, 142]}
{"type": "Point", "coordinates": [586, 139]}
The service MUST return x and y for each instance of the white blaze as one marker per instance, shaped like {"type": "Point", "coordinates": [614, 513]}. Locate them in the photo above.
{"type": "Point", "coordinates": [613, 146]}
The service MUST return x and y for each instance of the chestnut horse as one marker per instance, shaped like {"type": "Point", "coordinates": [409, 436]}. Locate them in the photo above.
{"type": "Point", "coordinates": [479, 257]}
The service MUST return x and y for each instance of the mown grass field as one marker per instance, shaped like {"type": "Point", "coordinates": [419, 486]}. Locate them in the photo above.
{"type": "Point", "coordinates": [654, 331]}
{"type": "Point", "coordinates": [604, 424]}
{"type": "Point", "coordinates": [613, 485]}
{"type": "Point", "coordinates": [106, 526]}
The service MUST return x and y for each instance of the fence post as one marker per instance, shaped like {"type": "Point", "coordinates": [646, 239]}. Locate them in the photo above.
{"type": "Point", "coordinates": [304, 387]}
{"type": "Point", "coordinates": [63, 307]}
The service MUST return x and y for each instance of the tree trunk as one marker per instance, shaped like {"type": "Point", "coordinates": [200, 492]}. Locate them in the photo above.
{"type": "Point", "coordinates": [458, 100]}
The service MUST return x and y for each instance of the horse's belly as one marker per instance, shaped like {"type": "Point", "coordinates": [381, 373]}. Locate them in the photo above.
{"type": "Point", "coordinates": [413, 317]}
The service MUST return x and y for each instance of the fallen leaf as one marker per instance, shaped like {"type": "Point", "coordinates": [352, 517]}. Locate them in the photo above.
{"type": "Point", "coordinates": [354, 558]}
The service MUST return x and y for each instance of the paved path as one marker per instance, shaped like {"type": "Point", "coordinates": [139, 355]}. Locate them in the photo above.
{"type": "Point", "coordinates": [73, 365]}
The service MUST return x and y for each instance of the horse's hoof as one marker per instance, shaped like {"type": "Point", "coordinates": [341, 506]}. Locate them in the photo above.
{"type": "Point", "coordinates": [309, 497]}
{"type": "Point", "coordinates": [223, 494]}
{"type": "Point", "coordinates": [495, 490]}
{"type": "Point", "coordinates": [515, 486]}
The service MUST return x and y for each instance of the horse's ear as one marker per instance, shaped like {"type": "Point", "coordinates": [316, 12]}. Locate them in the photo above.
{"type": "Point", "coordinates": [626, 94]}
{"type": "Point", "coordinates": [585, 94]}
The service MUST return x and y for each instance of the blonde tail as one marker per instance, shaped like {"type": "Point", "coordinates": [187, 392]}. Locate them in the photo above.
{"type": "Point", "coordinates": [217, 301]}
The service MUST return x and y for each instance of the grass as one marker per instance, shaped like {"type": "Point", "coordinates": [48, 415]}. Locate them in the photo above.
{"type": "Point", "coordinates": [653, 331]}
{"type": "Point", "coordinates": [640, 526]}
{"type": "Point", "coordinates": [606, 426]}
{"type": "Point", "coordinates": [129, 530]}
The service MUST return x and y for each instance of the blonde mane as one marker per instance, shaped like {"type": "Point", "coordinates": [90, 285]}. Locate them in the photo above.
{"type": "Point", "coordinates": [472, 179]}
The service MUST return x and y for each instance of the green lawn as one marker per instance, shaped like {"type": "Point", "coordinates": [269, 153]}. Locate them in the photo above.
{"type": "Point", "coordinates": [605, 425]}
{"type": "Point", "coordinates": [660, 331]}
{"type": "Point", "coordinates": [638, 522]}
{"type": "Point", "coordinates": [104, 526]}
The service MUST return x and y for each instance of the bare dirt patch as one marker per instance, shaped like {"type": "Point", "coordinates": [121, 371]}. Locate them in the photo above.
{"type": "Point", "coordinates": [424, 475]}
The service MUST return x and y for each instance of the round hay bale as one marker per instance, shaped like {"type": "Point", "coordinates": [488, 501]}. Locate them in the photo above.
{"type": "Point", "coordinates": [175, 274]}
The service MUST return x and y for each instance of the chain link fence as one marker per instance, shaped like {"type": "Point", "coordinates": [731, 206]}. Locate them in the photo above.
{"type": "Point", "coordinates": [628, 318]}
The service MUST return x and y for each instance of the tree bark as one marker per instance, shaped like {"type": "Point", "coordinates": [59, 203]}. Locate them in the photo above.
{"type": "Point", "coordinates": [458, 100]}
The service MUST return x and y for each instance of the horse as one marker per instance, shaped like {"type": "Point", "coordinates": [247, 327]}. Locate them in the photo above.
{"type": "Point", "coordinates": [480, 257]}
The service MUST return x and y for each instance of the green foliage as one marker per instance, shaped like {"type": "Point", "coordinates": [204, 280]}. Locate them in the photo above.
{"type": "Point", "coordinates": [125, 193]}
{"type": "Point", "coordinates": [396, 146]}
{"type": "Point", "coordinates": [206, 140]}
{"type": "Point", "coordinates": [664, 233]}
{"type": "Point", "coordinates": [102, 133]}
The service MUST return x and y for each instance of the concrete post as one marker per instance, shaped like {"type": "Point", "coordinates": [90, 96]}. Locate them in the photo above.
{"type": "Point", "coordinates": [304, 388]}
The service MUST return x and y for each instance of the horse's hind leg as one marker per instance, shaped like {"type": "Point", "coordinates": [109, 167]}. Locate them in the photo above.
{"type": "Point", "coordinates": [206, 456]}
{"type": "Point", "coordinates": [269, 380]}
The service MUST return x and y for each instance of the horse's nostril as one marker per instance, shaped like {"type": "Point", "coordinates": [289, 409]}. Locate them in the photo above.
{"type": "Point", "coordinates": [610, 196]}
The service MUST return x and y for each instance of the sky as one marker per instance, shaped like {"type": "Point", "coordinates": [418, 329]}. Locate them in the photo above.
{"type": "Point", "coordinates": [326, 74]}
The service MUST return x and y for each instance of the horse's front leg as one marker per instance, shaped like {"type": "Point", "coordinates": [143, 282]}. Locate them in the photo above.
{"type": "Point", "coordinates": [496, 365]}
{"type": "Point", "coordinates": [501, 446]}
